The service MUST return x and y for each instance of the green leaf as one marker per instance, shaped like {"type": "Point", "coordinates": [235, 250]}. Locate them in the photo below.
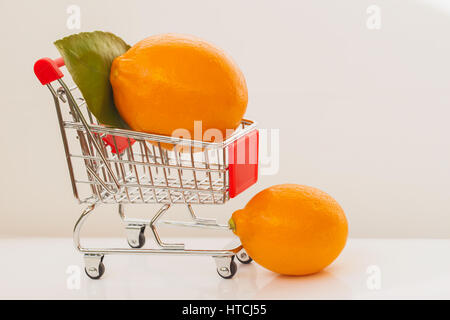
{"type": "Point", "coordinates": [88, 57]}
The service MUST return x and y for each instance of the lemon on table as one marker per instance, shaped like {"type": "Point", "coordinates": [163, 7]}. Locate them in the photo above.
{"type": "Point", "coordinates": [291, 229]}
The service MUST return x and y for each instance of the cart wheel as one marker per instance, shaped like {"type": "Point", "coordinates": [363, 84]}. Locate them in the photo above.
{"type": "Point", "coordinates": [139, 242]}
{"type": "Point", "coordinates": [93, 273]}
{"type": "Point", "coordinates": [228, 273]}
{"type": "Point", "coordinates": [243, 257]}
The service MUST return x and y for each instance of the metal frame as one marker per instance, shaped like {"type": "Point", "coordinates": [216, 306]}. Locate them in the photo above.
{"type": "Point", "coordinates": [153, 170]}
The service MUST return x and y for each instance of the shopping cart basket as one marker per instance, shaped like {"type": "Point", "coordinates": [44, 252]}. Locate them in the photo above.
{"type": "Point", "coordinates": [116, 166]}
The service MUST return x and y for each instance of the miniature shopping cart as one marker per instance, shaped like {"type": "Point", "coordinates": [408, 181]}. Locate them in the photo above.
{"type": "Point", "coordinates": [116, 166]}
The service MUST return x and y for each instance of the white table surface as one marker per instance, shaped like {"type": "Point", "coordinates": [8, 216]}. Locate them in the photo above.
{"type": "Point", "coordinates": [36, 268]}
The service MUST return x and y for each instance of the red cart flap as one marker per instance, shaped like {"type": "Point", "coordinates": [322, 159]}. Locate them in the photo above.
{"type": "Point", "coordinates": [243, 163]}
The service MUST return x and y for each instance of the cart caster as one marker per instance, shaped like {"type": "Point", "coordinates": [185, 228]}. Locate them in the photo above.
{"type": "Point", "coordinates": [243, 257]}
{"type": "Point", "coordinates": [136, 236]}
{"type": "Point", "coordinates": [94, 266]}
{"type": "Point", "coordinates": [226, 267]}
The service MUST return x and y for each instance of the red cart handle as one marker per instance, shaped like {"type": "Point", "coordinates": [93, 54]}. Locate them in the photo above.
{"type": "Point", "coordinates": [47, 70]}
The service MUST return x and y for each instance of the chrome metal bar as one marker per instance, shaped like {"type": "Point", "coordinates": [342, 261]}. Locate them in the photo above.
{"type": "Point", "coordinates": [149, 168]}
{"type": "Point", "coordinates": [105, 251]}
{"type": "Point", "coordinates": [99, 180]}
{"type": "Point", "coordinates": [180, 173]}
{"type": "Point", "coordinates": [249, 126]}
{"type": "Point", "coordinates": [121, 167]}
{"type": "Point", "coordinates": [164, 170]}
{"type": "Point", "coordinates": [64, 139]}
{"type": "Point", "coordinates": [167, 166]}
{"type": "Point", "coordinates": [209, 173]}
{"type": "Point", "coordinates": [79, 224]}
{"type": "Point", "coordinates": [203, 221]}
{"type": "Point", "coordinates": [134, 168]}
{"type": "Point", "coordinates": [90, 134]}
{"type": "Point", "coordinates": [159, 214]}
{"type": "Point", "coordinates": [125, 219]}
{"type": "Point", "coordinates": [212, 253]}
{"type": "Point", "coordinates": [162, 187]}
{"type": "Point", "coordinates": [197, 225]}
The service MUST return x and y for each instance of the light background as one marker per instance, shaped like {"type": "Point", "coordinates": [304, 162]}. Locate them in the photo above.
{"type": "Point", "coordinates": [363, 114]}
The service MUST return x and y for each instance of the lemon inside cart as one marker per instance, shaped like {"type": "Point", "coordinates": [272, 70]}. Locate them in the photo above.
{"type": "Point", "coordinates": [123, 167]}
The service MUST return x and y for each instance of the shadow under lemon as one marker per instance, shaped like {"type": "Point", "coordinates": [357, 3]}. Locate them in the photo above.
{"type": "Point", "coordinates": [321, 285]}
